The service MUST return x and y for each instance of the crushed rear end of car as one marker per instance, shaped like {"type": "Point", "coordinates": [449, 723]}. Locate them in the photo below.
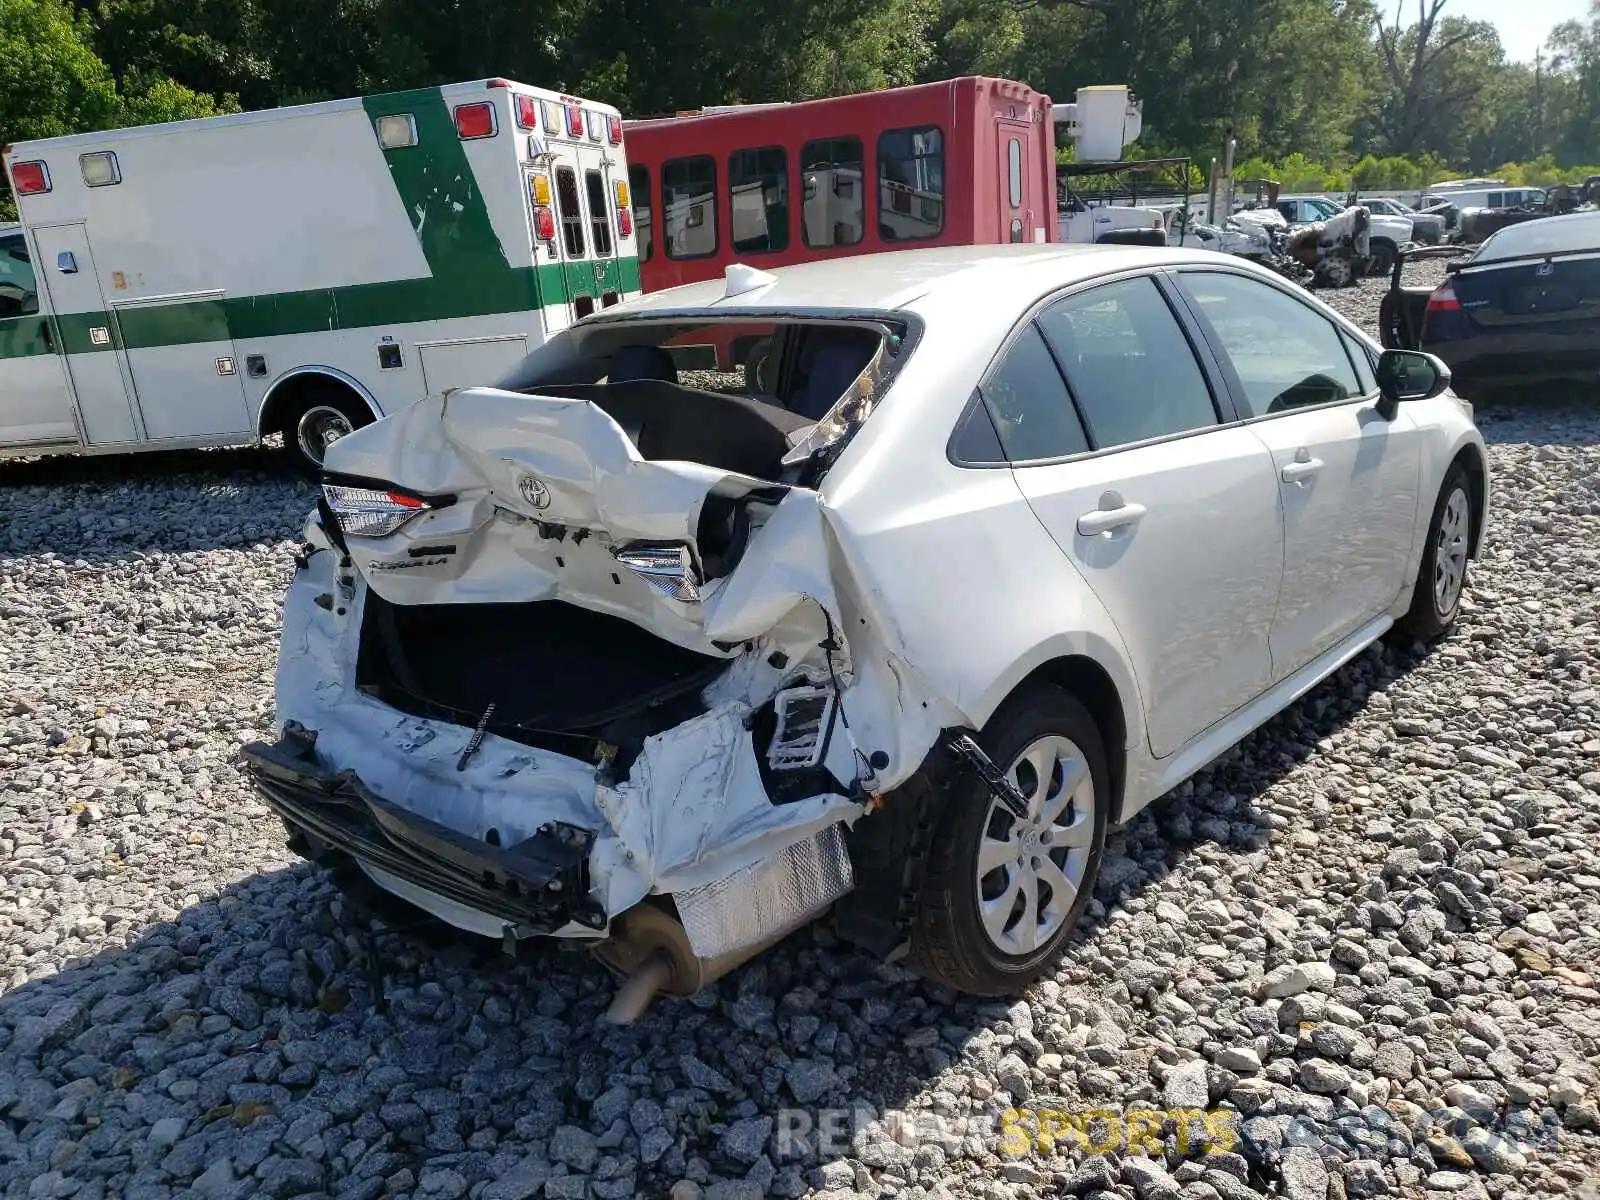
{"type": "Point", "coordinates": [595, 660]}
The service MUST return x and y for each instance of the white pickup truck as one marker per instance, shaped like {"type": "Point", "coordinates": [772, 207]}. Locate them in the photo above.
{"type": "Point", "coordinates": [1127, 224]}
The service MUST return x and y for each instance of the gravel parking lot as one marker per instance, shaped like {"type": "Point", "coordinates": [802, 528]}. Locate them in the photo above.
{"type": "Point", "coordinates": [1370, 935]}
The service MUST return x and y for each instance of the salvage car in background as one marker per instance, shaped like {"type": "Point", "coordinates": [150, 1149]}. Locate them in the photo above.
{"type": "Point", "coordinates": [1426, 228]}
{"type": "Point", "coordinates": [1018, 539]}
{"type": "Point", "coordinates": [1521, 311]}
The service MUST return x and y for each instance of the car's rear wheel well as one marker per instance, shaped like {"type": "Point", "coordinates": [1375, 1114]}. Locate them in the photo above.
{"type": "Point", "coordinates": [1087, 681]}
{"type": "Point", "coordinates": [1471, 461]}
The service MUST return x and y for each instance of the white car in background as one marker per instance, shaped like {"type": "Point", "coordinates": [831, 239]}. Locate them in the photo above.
{"type": "Point", "coordinates": [1018, 539]}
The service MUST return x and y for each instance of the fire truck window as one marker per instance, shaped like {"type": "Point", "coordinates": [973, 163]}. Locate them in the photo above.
{"type": "Point", "coordinates": [570, 212]}
{"type": "Point", "coordinates": [758, 194]}
{"type": "Point", "coordinates": [599, 212]}
{"type": "Point", "coordinates": [639, 185]}
{"type": "Point", "coordinates": [835, 212]}
{"type": "Point", "coordinates": [689, 202]}
{"type": "Point", "coordinates": [910, 183]}
{"type": "Point", "coordinates": [1014, 170]}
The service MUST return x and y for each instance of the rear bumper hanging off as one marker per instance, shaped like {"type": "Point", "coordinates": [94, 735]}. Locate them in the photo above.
{"type": "Point", "coordinates": [539, 884]}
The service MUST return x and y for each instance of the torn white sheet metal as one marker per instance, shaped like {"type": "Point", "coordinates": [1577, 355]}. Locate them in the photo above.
{"type": "Point", "coordinates": [693, 809]}
{"type": "Point", "coordinates": [518, 463]}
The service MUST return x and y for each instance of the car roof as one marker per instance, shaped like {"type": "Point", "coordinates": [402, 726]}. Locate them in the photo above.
{"type": "Point", "coordinates": [1543, 235]}
{"type": "Point", "coordinates": [897, 279]}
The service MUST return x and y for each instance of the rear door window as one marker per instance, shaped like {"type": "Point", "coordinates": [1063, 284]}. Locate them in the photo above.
{"type": "Point", "coordinates": [834, 211]}
{"type": "Point", "coordinates": [599, 213]}
{"type": "Point", "coordinates": [1128, 362]}
{"type": "Point", "coordinates": [1024, 406]}
{"type": "Point", "coordinates": [570, 211]}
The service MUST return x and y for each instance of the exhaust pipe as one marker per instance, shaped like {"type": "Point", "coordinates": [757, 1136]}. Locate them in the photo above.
{"type": "Point", "coordinates": [650, 948]}
{"type": "Point", "coordinates": [733, 919]}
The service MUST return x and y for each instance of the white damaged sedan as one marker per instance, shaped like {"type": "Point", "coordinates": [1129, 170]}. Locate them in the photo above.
{"type": "Point", "coordinates": [983, 550]}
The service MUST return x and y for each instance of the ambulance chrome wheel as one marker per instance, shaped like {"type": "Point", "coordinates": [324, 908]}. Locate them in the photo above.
{"type": "Point", "coordinates": [1000, 893]}
{"type": "Point", "coordinates": [318, 428]}
{"type": "Point", "coordinates": [319, 421]}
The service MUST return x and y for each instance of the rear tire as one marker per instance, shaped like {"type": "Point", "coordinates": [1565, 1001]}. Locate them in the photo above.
{"type": "Point", "coordinates": [976, 931]}
{"type": "Point", "coordinates": [318, 421]}
{"type": "Point", "coordinates": [1442, 577]}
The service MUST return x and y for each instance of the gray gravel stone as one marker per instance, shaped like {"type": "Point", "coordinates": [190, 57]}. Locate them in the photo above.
{"type": "Point", "coordinates": [185, 1008]}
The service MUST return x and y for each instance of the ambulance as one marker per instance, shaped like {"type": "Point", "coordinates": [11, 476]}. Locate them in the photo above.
{"type": "Point", "coordinates": [300, 271]}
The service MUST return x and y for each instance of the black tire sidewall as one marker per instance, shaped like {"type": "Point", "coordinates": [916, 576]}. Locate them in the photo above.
{"type": "Point", "coordinates": [1425, 619]}
{"type": "Point", "coordinates": [952, 883]}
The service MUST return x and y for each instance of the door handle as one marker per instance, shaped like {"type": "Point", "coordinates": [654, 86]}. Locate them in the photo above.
{"type": "Point", "coordinates": [1301, 470]}
{"type": "Point", "coordinates": [1110, 517]}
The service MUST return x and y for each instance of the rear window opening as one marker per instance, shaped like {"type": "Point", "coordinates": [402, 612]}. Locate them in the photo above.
{"type": "Point", "coordinates": [760, 397]}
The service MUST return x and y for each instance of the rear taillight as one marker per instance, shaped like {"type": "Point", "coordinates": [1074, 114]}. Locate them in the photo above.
{"type": "Point", "coordinates": [668, 569]}
{"type": "Point", "coordinates": [619, 192]}
{"type": "Point", "coordinates": [527, 112]}
{"type": "Point", "coordinates": [371, 512]}
{"type": "Point", "coordinates": [475, 121]}
{"type": "Point", "coordinates": [614, 128]}
{"type": "Point", "coordinates": [574, 120]}
{"type": "Point", "coordinates": [30, 178]}
{"type": "Point", "coordinates": [1443, 300]}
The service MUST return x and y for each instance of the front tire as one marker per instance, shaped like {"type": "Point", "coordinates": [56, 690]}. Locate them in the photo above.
{"type": "Point", "coordinates": [1000, 897]}
{"type": "Point", "coordinates": [1442, 578]}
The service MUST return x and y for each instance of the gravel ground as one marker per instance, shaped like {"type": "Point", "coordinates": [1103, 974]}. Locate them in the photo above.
{"type": "Point", "coordinates": [1369, 935]}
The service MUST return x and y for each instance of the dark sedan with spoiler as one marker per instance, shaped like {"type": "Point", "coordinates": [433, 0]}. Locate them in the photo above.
{"type": "Point", "coordinates": [1523, 310]}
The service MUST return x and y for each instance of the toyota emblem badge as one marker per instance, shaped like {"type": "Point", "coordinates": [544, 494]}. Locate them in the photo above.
{"type": "Point", "coordinates": [534, 491]}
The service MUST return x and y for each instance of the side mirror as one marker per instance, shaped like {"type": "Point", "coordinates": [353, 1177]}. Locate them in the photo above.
{"type": "Point", "coordinates": [1408, 375]}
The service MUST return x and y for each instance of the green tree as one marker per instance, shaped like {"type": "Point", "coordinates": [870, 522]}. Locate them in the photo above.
{"type": "Point", "coordinates": [51, 81]}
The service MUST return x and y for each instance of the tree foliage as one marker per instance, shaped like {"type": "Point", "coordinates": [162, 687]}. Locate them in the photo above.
{"type": "Point", "coordinates": [1389, 92]}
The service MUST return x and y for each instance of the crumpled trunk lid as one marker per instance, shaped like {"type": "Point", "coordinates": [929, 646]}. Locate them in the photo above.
{"type": "Point", "coordinates": [536, 497]}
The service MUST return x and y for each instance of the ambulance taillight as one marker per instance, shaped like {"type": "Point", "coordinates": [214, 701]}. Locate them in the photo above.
{"type": "Point", "coordinates": [30, 178]}
{"type": "Point", "coordinates": [475, 120]}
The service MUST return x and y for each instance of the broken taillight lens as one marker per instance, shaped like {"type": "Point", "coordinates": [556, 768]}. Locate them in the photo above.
{"type": "Point", "coordinates": [670, 570]}
{"type": "Point", "coordinates": [371, 512]}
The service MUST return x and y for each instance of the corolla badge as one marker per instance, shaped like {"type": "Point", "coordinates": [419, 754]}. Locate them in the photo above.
{"type": "Point", "coordinates": [534, 491]}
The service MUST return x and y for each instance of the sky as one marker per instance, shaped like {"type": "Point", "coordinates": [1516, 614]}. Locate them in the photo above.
{"type": "Point", "coordinates": [1523, 24]}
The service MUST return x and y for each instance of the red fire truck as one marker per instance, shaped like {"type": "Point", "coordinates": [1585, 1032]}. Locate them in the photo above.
{"type": "Point", "coordinates": [968, 161]}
